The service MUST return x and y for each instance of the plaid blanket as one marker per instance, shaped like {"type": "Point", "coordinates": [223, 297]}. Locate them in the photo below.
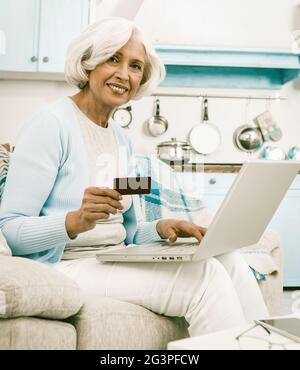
{"type": "Point", "coordinates": [167, 198]}
{"type": "Point", "coordinates": [4, 163]}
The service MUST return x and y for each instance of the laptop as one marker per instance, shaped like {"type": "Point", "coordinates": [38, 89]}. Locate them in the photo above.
{"type": "Point", "coordinates": [240, 221]}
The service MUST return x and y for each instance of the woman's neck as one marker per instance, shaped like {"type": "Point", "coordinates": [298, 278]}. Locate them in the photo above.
{"type": "Point", "coordinates": [92, 109]}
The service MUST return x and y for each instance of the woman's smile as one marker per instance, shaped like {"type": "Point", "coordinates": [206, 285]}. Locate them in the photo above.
{"type": "Point", "coordinates": [117, 88]}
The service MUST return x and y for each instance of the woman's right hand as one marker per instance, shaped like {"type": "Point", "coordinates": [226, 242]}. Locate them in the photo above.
{"type": "Point", "coordinates": [97, 204]}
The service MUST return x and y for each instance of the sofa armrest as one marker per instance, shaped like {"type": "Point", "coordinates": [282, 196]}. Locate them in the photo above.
{"type": "Point", "coordinates": [30, 288]}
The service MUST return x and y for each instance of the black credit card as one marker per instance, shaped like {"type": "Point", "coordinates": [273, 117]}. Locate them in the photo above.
{"type": "Point", "coordinates": [133, 185]}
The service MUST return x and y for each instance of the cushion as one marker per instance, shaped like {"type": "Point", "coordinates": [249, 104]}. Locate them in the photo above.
{"type": "Point", "coordinates": [4, 248]}
{"type": "Point", "coordinates": [26, 333]}
{"type": "Point", "coordinates": [105, 323]}
{"type": "Point", "coordinates": [30, 288]}
{"type": "Point", "coordinates": [259, 256]}
{"type": "Point", "coordinates": [272, 288]}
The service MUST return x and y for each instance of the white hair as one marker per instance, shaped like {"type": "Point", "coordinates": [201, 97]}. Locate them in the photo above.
{"type": "Point", "coordinates": [98, 42]}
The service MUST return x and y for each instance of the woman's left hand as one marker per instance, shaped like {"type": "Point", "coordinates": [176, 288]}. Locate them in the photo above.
{"type": "Point", "coordinates": [171, 229]}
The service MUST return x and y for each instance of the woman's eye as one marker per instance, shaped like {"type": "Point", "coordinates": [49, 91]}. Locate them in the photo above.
{"type": "Point", "coordinates": [137, 67]}
{"type": "Point", "coordinates": [113, 59]}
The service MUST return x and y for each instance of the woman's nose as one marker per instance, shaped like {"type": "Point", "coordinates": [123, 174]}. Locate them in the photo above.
{"type": "Point", "coordinates": [122, 72]}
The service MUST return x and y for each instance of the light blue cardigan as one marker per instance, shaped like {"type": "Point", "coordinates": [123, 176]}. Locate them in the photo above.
{"type": "Point", "coordinates": [46, 179]}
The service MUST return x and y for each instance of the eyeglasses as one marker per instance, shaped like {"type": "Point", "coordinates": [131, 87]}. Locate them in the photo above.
{"type": "Point", "coordinates": [258, 337]}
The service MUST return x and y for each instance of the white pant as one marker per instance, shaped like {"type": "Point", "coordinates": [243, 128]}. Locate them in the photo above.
{"type": "Point", "coordinates": [212, 295]}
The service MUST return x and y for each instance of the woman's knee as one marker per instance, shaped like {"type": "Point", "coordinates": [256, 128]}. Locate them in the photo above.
{"type": "Point", "coordinates": [233, 261]}
{"type": "Point", "coordinates": [213, 280]}
{"type": "Point", "coordinates": [209, 268]}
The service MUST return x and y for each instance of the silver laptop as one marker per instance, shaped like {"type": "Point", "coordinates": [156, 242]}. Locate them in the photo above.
{"type": "Point", "coordinates": [240, 221]}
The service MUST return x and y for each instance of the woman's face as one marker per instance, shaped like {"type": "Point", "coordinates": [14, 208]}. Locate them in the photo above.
{"type": "Point", "coordinates": [116, 81]}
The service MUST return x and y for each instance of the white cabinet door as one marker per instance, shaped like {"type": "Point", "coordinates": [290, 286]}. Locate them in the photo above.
{"type": "Point", "coordinates": [287, 222]}
{"type": "Point", "coordinates": [19, 21]}
{"type": "Point", "coordinates": [216, 185]}
{"type": "Point", "coordinates": [38, 32]}
{"type": "Point", "coordinates": [60, 22]}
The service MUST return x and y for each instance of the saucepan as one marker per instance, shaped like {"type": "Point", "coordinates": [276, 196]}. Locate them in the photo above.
{"type": "Point", "coordinates": [157, 124]}
{"type": "Point", "coordinates": [174, 151]}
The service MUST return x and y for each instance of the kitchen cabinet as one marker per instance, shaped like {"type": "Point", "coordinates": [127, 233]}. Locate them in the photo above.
{"type": "Point", "coordinates": [286, 220]}
{"type": "Point", "coordinates": [39, 31]}
{"type": "Point", "coordinates": [19, 21]}
{"type": "Point", "coordinates": [189, 66]}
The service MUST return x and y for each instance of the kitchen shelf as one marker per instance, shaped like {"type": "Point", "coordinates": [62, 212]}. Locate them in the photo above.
{"type": "Point", "coordinates": [228, 68]}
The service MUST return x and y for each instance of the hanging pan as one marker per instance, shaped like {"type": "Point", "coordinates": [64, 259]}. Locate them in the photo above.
{"type": "Point", "coordinates": [157, 125]}
{"type": "Point", "coordinates": [248, 137]}
{"type": "Point", "coordinates": [205, 137]}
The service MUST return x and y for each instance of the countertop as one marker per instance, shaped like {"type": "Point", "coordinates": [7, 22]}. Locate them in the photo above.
{"type": "Point", "coordinates": [211, 167]}
{"type": "Point", "coordinates": [208, 168]}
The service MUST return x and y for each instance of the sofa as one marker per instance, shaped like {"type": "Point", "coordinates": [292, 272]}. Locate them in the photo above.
{"type": "Point", "coordinates": [41, 308]}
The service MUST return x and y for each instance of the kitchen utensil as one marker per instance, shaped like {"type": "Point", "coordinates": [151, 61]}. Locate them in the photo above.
{"type": "Point", "coordinates": [157, 124]}
{"type": "Point", "coordinates": [265, 122]}
{"type": "Point", "coordinates": [247, 138]}
{"type": "Point", "coordinates": [268, 126]}
{"type": "Point", "coordinates": [276, 133]}
{"type": "Point", "coordinates": [205, 137]}
{"type": "Point", "coordinates": [123, 116]}
{"type": "Point", "coordinates": [294, 153]}
{"type": "Point", "coordinates": [274, 153]}
{"type": "Point", "coordinates": [174, 150]}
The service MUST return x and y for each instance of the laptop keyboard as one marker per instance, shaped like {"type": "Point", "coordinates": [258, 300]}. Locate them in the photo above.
{"type": "Point", "coordinates": [164, 247]}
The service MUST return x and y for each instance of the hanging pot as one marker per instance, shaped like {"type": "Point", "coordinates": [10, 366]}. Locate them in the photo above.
{"type": "Point", "coordinates": [174, 151]}
{"type": "Point", "coordinates": [247, 138]}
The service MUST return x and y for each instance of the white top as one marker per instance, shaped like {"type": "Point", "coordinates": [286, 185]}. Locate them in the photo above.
{"type": "Point", "coordinates": [103, 163]}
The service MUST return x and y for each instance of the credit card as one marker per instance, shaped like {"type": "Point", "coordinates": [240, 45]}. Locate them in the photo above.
{"type": "Point", "coordinates": [133, 185]}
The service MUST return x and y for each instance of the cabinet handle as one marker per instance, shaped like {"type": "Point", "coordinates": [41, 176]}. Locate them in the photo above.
{"type": "Point", "coordinates": [212, 181]}
{"type": "Point", "coordinates": [45, 59]}
{"type": "Point", "coordinates": [34, 59]}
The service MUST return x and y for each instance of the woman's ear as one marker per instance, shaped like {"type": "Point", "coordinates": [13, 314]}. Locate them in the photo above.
{"type": "Point", "coordinates": [83, 85]}
{"type": "Point", "coordinates": [146, 74]}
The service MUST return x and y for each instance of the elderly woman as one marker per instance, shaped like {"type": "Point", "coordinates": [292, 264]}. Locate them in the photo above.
{"type": "Point", "coordinates": [59, 207]}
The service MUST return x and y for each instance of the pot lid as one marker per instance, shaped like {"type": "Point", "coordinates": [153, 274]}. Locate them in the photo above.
{"type": "Point", "coordinates": [174, 143]}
